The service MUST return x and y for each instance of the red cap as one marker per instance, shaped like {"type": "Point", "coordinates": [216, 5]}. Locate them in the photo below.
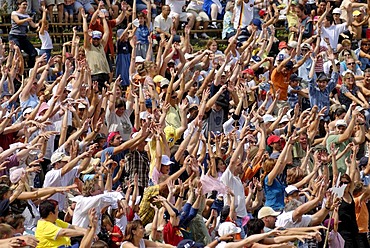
{"type": "Point", "coordinates": [262, 12]}
{"type": "Point", "coordinates": [69, 55]}
{"type": "Point", "coordinates": [282, 45]}
{"type": "Point", "coordinates": [272, 139]}
{"type": "Point", "coordinates": [111, 136]}
{"type": "Point", "coordinates": [248, 71]}
{"type": "Point", "coordinates": [145, 11]}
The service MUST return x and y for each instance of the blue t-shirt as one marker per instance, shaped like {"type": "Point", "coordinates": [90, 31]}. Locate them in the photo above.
{"type": "Point", "coordinates": [117, 158]}
{"type": "Point", "coordinates": [142, 33]}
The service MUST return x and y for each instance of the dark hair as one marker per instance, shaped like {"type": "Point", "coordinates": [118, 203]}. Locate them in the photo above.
{"type": "Point", "coordinates": [120, 103]}
{"type": "Point", "coordinates": [19, 2]}
{"type": "Point", "coordinates": [132, 226]}
{"type": "Point", "coordinates": [347, 177]}
{"type": "Point", "coordinates": [14, 220]}
{"type": "Point", "coordinates": [329, 18]}
{"type": "Point", "coordinates": [255, 226]}
{"type": "Point", "coordinates": [141, 14]}
{"type": "Point", "coordinates": [46, 207]}
{"type": "Point", "coordinates": [340, 111]}
{"type": "Point", "coordinates": [301, 7]}
{"type": "Point", "coordinates": [3, 190]}
{"type": "Point", "coordinates": [70, 130]}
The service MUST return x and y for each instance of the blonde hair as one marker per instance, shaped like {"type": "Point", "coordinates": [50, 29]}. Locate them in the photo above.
{"type": "Point", "coordinates": [267, 166]}
{"type": "Point", "coordinates": [89, 187]}
{"type": "Point", "coordinates": [294, 175]}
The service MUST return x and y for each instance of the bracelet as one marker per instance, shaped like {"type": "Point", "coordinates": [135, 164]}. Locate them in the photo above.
{"type": "Point", "coordinates": [96, 92]}
{"type": "Point", "coordinates": [327, 208]}
{"type": "Point", "coordinates": [259, 189]}
{"type": "Point", "coordinates": [89, 226]}
{"type": "Point", "coordinates": [181, 197]}
{"type": "Point", "coordinates": [361, 124]}
{"type": "Point", "coordinates": [218, 240]}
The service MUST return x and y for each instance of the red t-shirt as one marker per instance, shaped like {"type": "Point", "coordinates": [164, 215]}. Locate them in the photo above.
{"type": "Point", "coordinates": [172, 234]}
{"type": "Point", "coordinates": [115, 239]}
{"type": "Point", "coordinates": [99, 27]}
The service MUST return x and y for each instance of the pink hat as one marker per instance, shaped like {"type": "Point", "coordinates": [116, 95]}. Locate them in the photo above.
{"type": "Point", "coordinates": [44, 106]}
{"type": "Point", "coordinates": [316, 18]}
{"type": "Point", "coordinates": [16, 175]}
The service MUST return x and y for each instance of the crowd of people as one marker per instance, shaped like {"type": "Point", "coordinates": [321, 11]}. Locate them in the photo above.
{"type": "Point", "coordinates": [131, 138]}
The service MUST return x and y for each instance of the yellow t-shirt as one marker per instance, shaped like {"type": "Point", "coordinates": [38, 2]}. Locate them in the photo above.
{"type": "Point", "coordinates": [46, 234]}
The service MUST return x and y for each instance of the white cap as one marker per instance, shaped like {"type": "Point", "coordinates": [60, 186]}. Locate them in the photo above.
{"type": "Point", "coordinates": [228, 228]}
{"type": "Point", "coordinates": [135, 134]}
{"type": "Point", "coordinates": [268, 118]}
{"type": "Point", "coordinates": [293, 44]}
{"type": "Point", "coordinates": [348, 71]}
{"type": "Point", "coordinates": [267, 211]}
{"type": "Point", "coordinates": [143, 115]}
{"type": "Point", "coordinates": [284, 119]}
{"type": "Point", "coordinates": [341, 123]}
{"type": "Point", "coordinates": [139, 59]}
{"type": "Point", "coordinates": [27, 110]}
{"type": "Point", "coordinates": [290, 189]}
{"type": "Point", "coordinates": [189, 56]}
{"type": "Point", "coordinates": [359, 108]}
{"type": "Point", "coordinates": [81, 106]}
{"type": "Point", "coordinates": [59, 156]}
{"type": "Point", "coordinates": [166, 160]}
{"type": "Point", "coordinates": [306, 45]}
{"type": "Point", "coordinates": [337, 11]}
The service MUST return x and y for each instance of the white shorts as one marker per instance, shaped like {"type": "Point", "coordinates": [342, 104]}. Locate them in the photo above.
{"type": "Point", "coordinates": [183, 16]}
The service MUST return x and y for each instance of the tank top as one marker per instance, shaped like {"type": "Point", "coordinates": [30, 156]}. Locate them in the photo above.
{"type": "Point", "coordinates": [19, 29]}
{"type": "Point", "coordinates": [141, 244]}
{"type": "Point", "coordinates": [46, 42]}
{"type": "Point", "coordinates": [347, 216]}
{"type": "Point", "coordinates": [32, 102]}
{"type": "Point", "coordinates": [97, 60]}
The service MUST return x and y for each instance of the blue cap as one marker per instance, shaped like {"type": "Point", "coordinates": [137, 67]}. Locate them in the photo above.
{"type": "Point", "coordinates": [258, 23]}
{"type": "Point", "coordinates": [256, 58]}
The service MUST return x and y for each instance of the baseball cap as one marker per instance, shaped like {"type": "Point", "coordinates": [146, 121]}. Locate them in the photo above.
{"type": "Point", "coordinates": [256, 58]}
{"type": "Point", "coordinates": [341, 123]}
{"type": "Point", "coordinates": [268, 118]}
{"type": "Point", "coordinates": [337, 11]}
{"type": "Point", "coordinates": [59, 157]}
{"type": "Point", "coordinates": [262, 12]}
{"type": "Point", "coordinates": [292, 44]}
{"type": "Point", "coordinates": [96, 34]}
{"type": "Point", "coordinates": [188, 243]}
{"type": "Point", "coordinates": [27, 110]}
{"type": "Point", "coordinates": [294, 77]}
{"type": "Point", "coordinates": [148, 229]}
{"type": "Point", "coordinates": [282, 45]}
{"type": "Point", "coordinates": [289, 65]}
{"type": "Point", "coordinates": [248, 71]}
{"type": "Point", "coordinates": [120, 32]}
{"type": "Point", "coordinates": [266, 211]}
{"type": "Point", "coordinates": [164, 82]}
{"type": "Point", "coordinates": [111, 136]}
{"type": "Point", "coordinates": [139, 59]}
{"type": "Point", "coordinates": [280, 57]}
{"type": "Point", "coordinates": [291, 189]}
{"type": "Point", "coordinates": [258, 23]}
{"type": "Point", "coordinates": [363, 161]}
{"type": "Point", "coordinates": [188, 56]}
{"type": "Point", "coordinates": [322, 77]}
{"type": "Point", "coordinates": [100, 136]}
{"type": "Point", "coordinates": [273, 139]}
{"type": "Point", "coordinates": [284, 119]}
{"type": "Point", "coordinates": [228, 228]}
{"type": "Point", "coordinates": [320, 147]}
{"type": "Point", "coordinates": [356, 13]}
{"type": "Point", "coordinates": [166, 160]}
{"type": "Point", "coordinates": [306, 45]}
{"type": "Point", "coordinates": [157, 78]}
{"type": "Point", "coordinates": [137, 133]}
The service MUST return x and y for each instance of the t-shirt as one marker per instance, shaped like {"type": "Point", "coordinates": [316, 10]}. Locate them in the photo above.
{"type": "Point", "coordinates": [97, 59]}
{"type": "Point", "coordinates": [362, 215]}
{"type": "Point", "coordinates": [46, 234]}
{"type": "Point", "coordinates": [4, 207]}
{"type": "Point", "coordinates": [274, 193]}
{"type": "Point", "coordinates": [172, 235]}
{"type": "Point", "coordinates": [114, 238]}
{"type": "Point", "coordinates": [121, 124]}
{"type": "Point", "coordinates": [236, 185]}
{"type": "Point", "coordinates": [286, 220]}
{"type": "Point", "coordinates": [164, 24]}
{"type": "Point", "coordinates": [332, 33]}
{"type": "Point", "coordinates": [279, 81]}
{"type": "Point", "coordinates": [341, 145]}
{"type": "Point", "coordinates": [54, 178]}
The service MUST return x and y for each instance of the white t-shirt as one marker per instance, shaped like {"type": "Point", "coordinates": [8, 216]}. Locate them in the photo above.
{"type": "Point", "coordinates": [84, 204]}
{"type": "Point", "coordinates": [193, 100]}
{"type": "Point", "coordinates": [46, 42]}
{"type": "Point", "coordinates": [164, 24]}
{"type": "Point", "coordinates": [332, 33]}
{"type": "Point", "coordinates": [235, 184]}
{"type": "Point", "coordinates": [286, 220]}
{"type": "Point", "coordinates": [176, 5]}
{"type": "Point", "coordinates": [54, 178]}
{"type": "Point", "coordinates": [122, 124]}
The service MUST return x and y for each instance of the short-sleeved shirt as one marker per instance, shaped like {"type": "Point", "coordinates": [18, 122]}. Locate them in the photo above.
{"type": "Point", "coordinates": [341, 145]}
{"type": "Point", "coordinates": [362, 215]}
{"type": "Point", "coordinates": [164, 24]}
{"type": "Point", "coordinates": [286, 220]}
{"type": "Point", "coordinates": [172, 235]}
{"type": "Point", "coordinates": [146, 212]}
{"type": "Point", "coordinates": [54, 178]}
{"type": "Point", "coordinates": [47, 232]}
{"type": "Point", "coordinates": [279, 81]}
{"type": "Point", "coordinates": [332, 33]}
{"type": "Point", "coordinates": [343, 99]}
{"type": "Point", "coordinates": [235, 184]}
{"type": "Point", "coordinates": [121, 124]}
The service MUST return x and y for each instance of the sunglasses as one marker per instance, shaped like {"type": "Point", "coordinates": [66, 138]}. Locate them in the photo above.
{"type": "Point", "coordinates": [173, 97]}
{"type": "Point", "coordinates": [366, 44]}
{"type": "Point", "coordinates": [347, 54]}
{"type": "Point", "coordinates": [96, 38]}
{"type": "Point", "coordinates": [304, 50]}
{"type": "Point", "coordinates": [341, 183]}
{"type": "Point", "coordinates": [352, 63]}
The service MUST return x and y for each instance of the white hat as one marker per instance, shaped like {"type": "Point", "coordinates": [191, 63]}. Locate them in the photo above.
{"type": "Point", "coordinates": [148, 229]}
{"type": "Point", "coordinates": [143, 115]}
{"type": "Point", "coordinates": [189, 56]}
{"type": "Point", "coordinates": [341, 123]}
{"type": "Point", "coordinates": [228, 228]}
{"type": "Point", "coordinates": [306, 45]}
{"type": "Point", "coordinates": [120, 32]}
{"type": "Point", "coordinates": [135, 134]}
{"type": "Point", "coordinates": [291, 189]}
{"type": "Point", "coordinates": [267, 211]}
{"type": "Point", "coordinates": [359, 108]}
{"type": "Point", "coordinates": [348, 71]}
{"type": "Point", "coordinates": [164, 82]}
{"type": "Point", "coordinates": [27, 110]}
{"type": "Point", "coordinates": [292, 44]}
{"type": "Point", "coordinates": [337, 11]}
{"type": "Point", "coordinates": [59, 156]}
{"type": "Point", "coordinates": [81, 106]}
{"type": "Point", "coordinates": [284, 119]}
{"type": "Point", "coordinates": [139, 59]}
{"type": "Point", "coordinates": [166, 160]}
{"type": "Point", "coordinates": [268, 118]}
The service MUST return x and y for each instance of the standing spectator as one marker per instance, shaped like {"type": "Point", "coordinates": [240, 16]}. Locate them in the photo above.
{"type": "Point", "coordinates": [46, 43]}
{"type": "Point", "coordinates": [69, 12]}
{"type": "Point", "coordinates": [243, 12]}
{"type": "Point", "coordinates": [18, 33]}
{"type": "Point", "coordinates": [95, 54]}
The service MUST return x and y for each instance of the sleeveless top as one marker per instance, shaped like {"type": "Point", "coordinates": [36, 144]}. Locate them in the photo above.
{"type": "Point", "coordinates": [97, 60]}
{"type": "Point", "coordinates": [19, 29]}
{"type": "Point", "coordinates": [347, 216]}
{"type": "Point", "coordinates": [46, 42]}
{"type": "Point", "coordinates": [32, 102]}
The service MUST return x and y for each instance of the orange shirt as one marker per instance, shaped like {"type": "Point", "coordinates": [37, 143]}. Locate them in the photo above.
{"type": "Point", "coordinates": [279, 81]}
{"type": "Point", "coordinates": [362, 215]}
